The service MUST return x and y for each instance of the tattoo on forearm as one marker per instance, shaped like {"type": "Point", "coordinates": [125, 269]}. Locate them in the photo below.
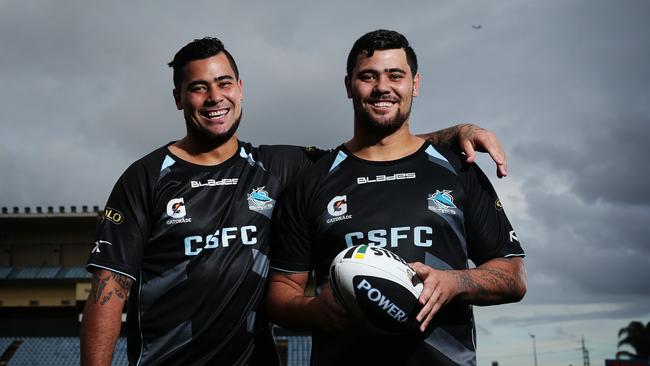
{"type": "Point", "coordinates": [123, 281]}
{"type": "Point", "coordinates": [99, 284]}
{"type": "Point", "coordinates": [97, 287]}
{"type": "Point", "coordinates": [490, 284]}
{"type": "Point", "coordinates": [120, 294]}
{"type": "Point", "coordinates": [106, 298]}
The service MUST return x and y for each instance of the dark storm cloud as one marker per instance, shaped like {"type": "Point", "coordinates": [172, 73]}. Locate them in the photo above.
{"type": "Point", "coordinates": [620, 312]}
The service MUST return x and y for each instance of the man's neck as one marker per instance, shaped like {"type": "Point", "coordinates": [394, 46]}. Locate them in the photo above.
{"type": "Point", "coordinates": [369, 146]}
{"type": "Point", "coordinates": [200, 153]}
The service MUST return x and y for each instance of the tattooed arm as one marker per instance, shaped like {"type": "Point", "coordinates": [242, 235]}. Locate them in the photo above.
{"type": "Point", "coordinates": [497, 281]}
{"type": "Point", "coordinates": [470, 138]}
{"type": "Point", "coordinates": [102, 316]}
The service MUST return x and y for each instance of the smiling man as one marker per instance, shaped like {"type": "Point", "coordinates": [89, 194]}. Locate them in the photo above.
{"type": "Point", "coordinates": [390, 188]}
{"type": "Point", "coordinates": [190, 250]}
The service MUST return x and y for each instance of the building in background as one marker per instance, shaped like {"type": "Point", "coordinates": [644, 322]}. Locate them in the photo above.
{"type": "Point", "coordinates": [44, 286]}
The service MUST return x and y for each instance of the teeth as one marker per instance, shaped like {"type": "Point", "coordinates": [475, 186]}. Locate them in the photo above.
{"type": "Point", "coordinates": [383, 104]}
{"type": "Point", "coordinates": [217, 114]}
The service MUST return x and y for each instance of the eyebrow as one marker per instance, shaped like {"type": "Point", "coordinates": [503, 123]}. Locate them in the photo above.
{"type": "Point", "coordinates": [390, 70]}
{"type": "Point", "coordinates": [205, 82]}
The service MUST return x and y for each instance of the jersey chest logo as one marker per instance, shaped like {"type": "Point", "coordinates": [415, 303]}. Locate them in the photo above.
{"type": "Point", "coordinates": [442, 202]}
{"type": "Point", "coordinates": [260, 201]}
{"type": "Point", "coordinates": [176, 212]}
{"type": "Point", "coordinates": [337, 209]}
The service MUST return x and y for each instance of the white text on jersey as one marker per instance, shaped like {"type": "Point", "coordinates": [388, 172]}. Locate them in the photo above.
{"type": "Point", "coordinates": [385, 178]}
{"type": "Point", "coordinates": [420, 236]}
{"type": "Point", "coordinates": [214, 183]}
{"type": "Point", "coordinates": [222, 237]}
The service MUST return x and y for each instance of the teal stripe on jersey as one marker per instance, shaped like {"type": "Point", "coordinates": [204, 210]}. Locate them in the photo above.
{"type": "Point", "coordinates": [449, 346]}
{"type": "Point", "coordinates": [260, 263]}
{"type": "Point", "coordinates": [436, 157]}
{"type": "Point", "coordinates": [249, 158]}
{"type": "Point", "coordinates": [339, 159]}
{"type": "Point", "coordinates": [164, 168]}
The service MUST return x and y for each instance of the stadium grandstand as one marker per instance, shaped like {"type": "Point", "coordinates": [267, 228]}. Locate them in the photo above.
{"type": "Point", "coordinates": [44, 286]}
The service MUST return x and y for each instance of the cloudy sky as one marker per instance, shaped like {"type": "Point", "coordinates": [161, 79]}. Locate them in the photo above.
{"type": "Point", "coordinates": [564, 84]}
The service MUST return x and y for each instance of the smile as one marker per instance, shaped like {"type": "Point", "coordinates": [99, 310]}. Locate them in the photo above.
{"type": "Point", "coordinates": [215, 114]}
{"type": "Point", "coordinates": [383, 104]}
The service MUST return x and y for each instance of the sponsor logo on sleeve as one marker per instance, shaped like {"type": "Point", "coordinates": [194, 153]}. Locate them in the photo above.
{"type": "Point", "coordinates": [337, 209]}
{"type": "Point", "coordinates": [176, 212]}
{"type": "Point", "coordinates": [498, 205]}
{"type": "Point", "coordinates": [97, 243]}
{"type": "Point", "coordinates": [113, 215]}
{"type": "Point", "coordinates": [442, 202]}
{"type": "Point", "coordinates": [513, 236]}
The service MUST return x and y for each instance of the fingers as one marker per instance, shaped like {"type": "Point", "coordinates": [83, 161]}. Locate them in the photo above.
{"type": "Point", "coordinates": [432, 300]}
{"type": "Point", "coordinates": [468, 148]}
{"type": "Point", "coordinates": [416, 266]}
{"type": "Point", "coordinates": [427, 320]}
{"type": "Point", "coordinates": [440, 286]}
{"type": "Point", "coordinates": [473, 138]}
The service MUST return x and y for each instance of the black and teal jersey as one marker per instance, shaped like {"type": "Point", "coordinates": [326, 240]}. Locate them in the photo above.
{"type": "Point", "coordinates": [429, 207]}
{"type": "Point", "coordinates": [195, 239]}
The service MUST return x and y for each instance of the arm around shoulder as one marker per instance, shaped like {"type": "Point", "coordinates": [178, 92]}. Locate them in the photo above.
{"type": "Point", "coordinates": [102, 317]}
{"type": "Point", "coordinates": [470, 138]}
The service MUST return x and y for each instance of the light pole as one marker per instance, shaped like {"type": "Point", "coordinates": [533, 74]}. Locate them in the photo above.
{"type": "Point", "coordinates": [534, 348]}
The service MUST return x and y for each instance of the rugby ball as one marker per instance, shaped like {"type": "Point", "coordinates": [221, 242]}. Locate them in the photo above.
{"type": "Point", "coordinates": [377, 287]}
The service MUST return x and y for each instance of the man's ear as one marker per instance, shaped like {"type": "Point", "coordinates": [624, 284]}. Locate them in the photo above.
{"type": "Point", "coordinates": [177, 99]}
{"type": "Point", "coordinates": [347, 86]}
{"type": "Point", "coordinates": [416, 85]}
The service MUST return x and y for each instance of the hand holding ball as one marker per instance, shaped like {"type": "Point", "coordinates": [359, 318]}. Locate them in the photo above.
{"type": "Point", "coordinates": [377, 287]}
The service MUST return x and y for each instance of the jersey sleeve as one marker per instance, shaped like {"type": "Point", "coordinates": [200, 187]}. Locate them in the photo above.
{"type": "Point", "coordinates": [124, 226]}
{"type": "Point", "coordinates": [290, 232]}
{"type": "Point", "coordinates": [489, 232]}
{"type": "Point", "coordinates": [288, 162]}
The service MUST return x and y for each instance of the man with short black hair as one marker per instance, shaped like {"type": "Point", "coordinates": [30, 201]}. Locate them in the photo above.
{"type": "Point", "coordinates": [390, 188]}
{"type": "Point", "coordinates": [193, 232]}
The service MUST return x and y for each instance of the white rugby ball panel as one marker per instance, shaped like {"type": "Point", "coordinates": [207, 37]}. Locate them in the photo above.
{"type": "Point", "coordinates": [376, 286]}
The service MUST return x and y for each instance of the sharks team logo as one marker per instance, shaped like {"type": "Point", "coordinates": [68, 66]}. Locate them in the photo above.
{"type": "Point", "coordinates": [442, 202]}
{"type": "Point", "coordinates": [259, 200]}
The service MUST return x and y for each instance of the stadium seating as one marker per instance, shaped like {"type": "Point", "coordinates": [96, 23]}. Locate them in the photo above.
{"type": "Point", "coordinates": [43, 273]}
{"type": "Point", "coordinates": [298, 349]}
{"type": "Point", "coordinates": [4, 343]}
{"type": "Point", "coordinates": [63, 351]}
{"type": "Point", "coordinates": [54, 351]}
